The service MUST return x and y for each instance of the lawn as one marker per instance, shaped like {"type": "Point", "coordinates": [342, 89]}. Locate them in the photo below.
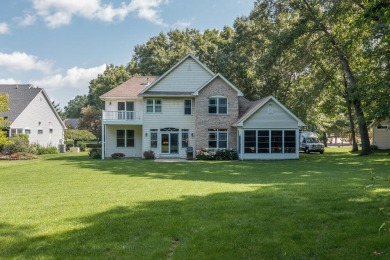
{"type": "Point", "coordinates": [68, 206]}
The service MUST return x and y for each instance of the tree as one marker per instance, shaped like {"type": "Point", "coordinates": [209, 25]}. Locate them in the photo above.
{"type": "Point", "coordinates": [91, 120]}
{"type": "Point", "coordinates": [111, 78]}
{"type": "Point", "coordinates": [73, 109]}
{"type": "Point", "coordinates": [78, 135]}
{"type": "Point", "coordinates": [3, 122]}
{"type": "Point", "coordinates": [58, 109]}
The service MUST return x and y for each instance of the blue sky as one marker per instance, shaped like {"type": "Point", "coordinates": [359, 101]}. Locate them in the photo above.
{"type": "Point", "coordinates": [60, 45]}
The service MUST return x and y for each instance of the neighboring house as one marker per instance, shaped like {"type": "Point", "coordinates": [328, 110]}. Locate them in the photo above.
{"type": "Point", "coordinates": [31, 112]}
{"type": "Point", "coordinates": [381, 135]}
{"type": "Point", "coordinates": [72, 123]}
{"type": "Point", "coordinates": [190, 106]}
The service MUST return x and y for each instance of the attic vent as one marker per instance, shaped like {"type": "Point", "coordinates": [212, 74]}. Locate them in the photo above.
{"type": "Point", "coordinates": [270, 109]}
{"type": "Point", "coordinates": [189, 67]}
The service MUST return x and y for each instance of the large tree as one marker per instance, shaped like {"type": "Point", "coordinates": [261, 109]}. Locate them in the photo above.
{"type": "Point", "coordinates": [73, 109]}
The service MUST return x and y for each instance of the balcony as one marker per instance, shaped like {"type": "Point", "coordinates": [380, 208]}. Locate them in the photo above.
{"type": "Point", "coordinates": [122, 117]}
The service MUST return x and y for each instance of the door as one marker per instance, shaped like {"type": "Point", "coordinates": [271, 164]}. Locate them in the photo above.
{"type": "Point", "coordinates": [125, 110]}
{"type": "Point", "coordinates": [170, 143]}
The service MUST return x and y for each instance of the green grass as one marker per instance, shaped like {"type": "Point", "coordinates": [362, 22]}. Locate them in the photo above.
{"type": "Point", "coordinates": [68, 206]}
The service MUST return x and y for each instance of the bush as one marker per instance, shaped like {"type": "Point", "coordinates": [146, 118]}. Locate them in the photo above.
{"type": "Point", "coordinates": [373, 147]}
{"type": "Point", "coordinates": [47, 150]}
{"type": "Point", "coordinates": [226, 154]}
{"type": "Point", "coordinates": [83, 147]}
{"type": "Point", "coordinates": [93, 145]}
{"type": "Point", "coordinates": [68, 146]}
{"type": "Point", "coordinates": [149, 155]}
{"type": "Point", "coordinates": [95, 153]}
{"type": "Point", "coordinates": [205, 154]}
{"type": "Point", "coordinates": [17, 144]}
{"type": "Point", "coordinates": [117, 155]}
{"type": "Point", "coordinates": [222, 154]}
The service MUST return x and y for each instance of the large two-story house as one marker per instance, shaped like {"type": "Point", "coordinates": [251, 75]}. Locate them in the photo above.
{"type": "Point", "coordinates": [190, 106]}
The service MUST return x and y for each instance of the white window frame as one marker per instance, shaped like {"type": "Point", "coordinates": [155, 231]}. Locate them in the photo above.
{"type": "Point", "coordinates": [153, 105]}
{"type": "Point", "coordinates": [186, 107]}
{"type": "Point", "coordinates": [125, 138]}
{"type": "Point", "coordinates": [217, 105]}
{"type": "Point", "coordinates": [218, 132]}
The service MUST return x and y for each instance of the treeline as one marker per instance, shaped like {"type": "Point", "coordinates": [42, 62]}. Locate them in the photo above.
{"type": "Point", "coordinates": [326, 60]}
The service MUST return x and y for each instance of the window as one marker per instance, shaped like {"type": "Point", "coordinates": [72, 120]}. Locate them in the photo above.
{"type": "Point", "coordinates": [15, 131]}
{"type": "Point", "coordinates": [125, 138]}
{"type": "Point", "coordinates": [218, 105]}
{"type": "Point", "coordinates": [129, 138]}
{"type": "Point", "coordinates": [51, 130]}
{"type": "Point", "coordinates": [184, 138]}
{"type": "Point", "coordinates": [269, 141]}
{"type": "Point", "coordinates": [218, 138]}
{"type": "Point", "coordinates": [125, 110]}
{"type": "Point", "coordinates": [381, 127]}
{"type": "Point", "coordinates": [153, 138]}
{"type": "Point", "coordinates": [153, 106]}
{"type": "Point", "coordinates": [120, 138]}
{"type": "Point", "coordinates": [187, 107]}
{"type": "Point", "coordinates": [277, 141]}
{"type": "Point", "coordinates": [263, 141]}
{"type": "Point", "coordinates": [40, 131]}
{"type": "Point", "coordinates": [250, 141]}
{"type": "Point", "coordinates": [289, 141]}
{"type": "Point", "coordinates": [27, 131]}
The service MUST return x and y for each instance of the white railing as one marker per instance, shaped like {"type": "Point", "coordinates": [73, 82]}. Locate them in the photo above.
{"type": "Point", "coordinates": [121, 115]}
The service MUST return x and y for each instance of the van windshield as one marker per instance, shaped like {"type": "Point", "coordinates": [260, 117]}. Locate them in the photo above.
{"type": "Point", "coordinates": [312, 140]}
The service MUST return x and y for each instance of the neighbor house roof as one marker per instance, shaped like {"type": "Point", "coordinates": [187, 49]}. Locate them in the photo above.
{"type": "Point", "coordinates": [256, 105]}
{"type": "Point", "coordinates": [20, 96]}
{"type": "Point", "coordinates": [130, 88]}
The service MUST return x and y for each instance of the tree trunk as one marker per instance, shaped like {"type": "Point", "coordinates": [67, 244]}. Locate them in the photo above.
{"type": "Point", "coordinates": [325, 139]}
{"type": "Point", "coordinates": [352, 125]}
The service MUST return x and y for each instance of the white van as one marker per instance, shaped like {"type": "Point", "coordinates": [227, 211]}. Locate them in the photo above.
{"type": "Point", "coordinates": [308, 142]}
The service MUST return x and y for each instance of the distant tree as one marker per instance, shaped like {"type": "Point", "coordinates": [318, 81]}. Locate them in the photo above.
{"type": "Point", "coordinates": [73, 109]}
{"type": "Point", "coordinates": [58, 109]}
{"type": "Point", "coordinates": [78, 135]}
{"type": "Point", "coordinates": [91, 120]}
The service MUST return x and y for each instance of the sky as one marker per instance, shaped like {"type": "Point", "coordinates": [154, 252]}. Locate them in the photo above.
{"type": "Point", "coordinates": [60, 45]}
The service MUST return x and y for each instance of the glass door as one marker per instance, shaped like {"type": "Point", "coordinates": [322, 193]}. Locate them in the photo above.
{"type": "Point", "coordinates": [170, 143]}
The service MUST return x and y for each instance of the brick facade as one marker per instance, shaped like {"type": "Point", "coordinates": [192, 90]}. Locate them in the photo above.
{"type": "Point", "coordinates": [205, 121]}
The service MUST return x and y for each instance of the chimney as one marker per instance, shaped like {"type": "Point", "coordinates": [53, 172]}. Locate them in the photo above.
{"type": "Point", "coordinates": [147, 81]}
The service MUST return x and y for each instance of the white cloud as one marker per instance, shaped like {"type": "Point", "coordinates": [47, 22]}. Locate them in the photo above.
{"type": "Point", "coordinates": [76, 78]}
{"type": "Point", "coordinates": [21, 62]}
{"type": "Point", "coordinates": [4, 28]}
{"type": "Point", "coordinates": [9, 81]}
{"type": "Point", "coordinates": [27, 20]}
{"type": "Point", "coordinates": [60, 12]}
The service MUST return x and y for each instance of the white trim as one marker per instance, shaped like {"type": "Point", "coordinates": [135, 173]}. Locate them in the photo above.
{"type": "Point", "coordinates": [239, 93]}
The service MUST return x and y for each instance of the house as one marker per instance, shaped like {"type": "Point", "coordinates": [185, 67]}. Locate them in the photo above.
{"type": "Point", "coordinates": [190, 106]}
{"type": "Point", "coordinates": [31, 112]}
{"type": "Point", "coordinates": [381, 135]}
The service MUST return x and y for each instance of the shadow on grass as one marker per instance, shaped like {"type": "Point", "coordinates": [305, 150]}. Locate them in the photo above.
{"type": "Point", "coordinates": [339, 167]}
{"type": "Point", "coordinates": [241, 225]}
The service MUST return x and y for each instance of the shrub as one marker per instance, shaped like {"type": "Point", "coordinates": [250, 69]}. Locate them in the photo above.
{"type": "Point", "coordinates": [205, 154]}
{"type": "Point", "coordinates": [94, 145]}
{"type": "Point", "coordinates": [117, 155]}
{"type": "Point", "coordinates": [47, 150]}
{"type": "Point", "coordinates": [68, 146]}
{"type": "Point", "coordinates": [222, 154]}
{"type": "Point", "coordinates": [17, 144]}
{"type": "Point", "coordinates": [83, 147]}
{"type": "Point", "coordinates": [226, 154]}
{"type": "Point", "coordinates": [149, 155]}
{"type": "Point", "coordinates": [373, 147]}
{"type": "Point", "coordinates": [95, 153]}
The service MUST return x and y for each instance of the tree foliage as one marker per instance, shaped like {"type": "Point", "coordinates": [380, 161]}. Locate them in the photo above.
{"type": "Point", "coordinates": [78, 135]}
{"type": "Point", "coordinates": [73, 109]}
{"type": "Point", "coordinates": [91, 120]}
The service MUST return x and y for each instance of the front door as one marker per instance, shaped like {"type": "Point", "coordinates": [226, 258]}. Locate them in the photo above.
{"type": "Point", "coordinates": [170, 143]}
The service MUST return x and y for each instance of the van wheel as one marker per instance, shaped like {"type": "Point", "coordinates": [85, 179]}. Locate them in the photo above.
{"type": "Point", "coordinates": [322, 152]}
{"type": "Point", "coordinates": [307, 150]}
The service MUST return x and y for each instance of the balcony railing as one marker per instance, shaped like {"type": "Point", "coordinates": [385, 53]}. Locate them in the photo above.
{"type": "Point", "coordinates": [121, 116]}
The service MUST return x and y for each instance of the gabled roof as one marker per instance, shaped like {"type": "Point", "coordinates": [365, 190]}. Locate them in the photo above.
{"type": "Point", "coordinates": [258, 104]}
{"type": "Point", "coordinates": [188, 56]}
{"type": "Point", "coordinates": [239, 93]}
{"type": "Point", "coordinates": [20, 96]}
{"type": "Point", "coordinates": [130, 88]}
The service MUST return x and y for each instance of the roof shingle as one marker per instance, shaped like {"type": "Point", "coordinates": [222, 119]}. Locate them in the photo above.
{"type": "Point", "coordinates": [130, 88]}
